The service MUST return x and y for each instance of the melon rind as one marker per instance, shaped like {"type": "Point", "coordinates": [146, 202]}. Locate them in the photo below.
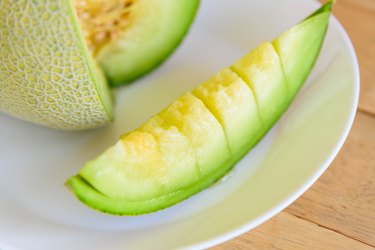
{"type": "Point", "coordinates": [47, 75]}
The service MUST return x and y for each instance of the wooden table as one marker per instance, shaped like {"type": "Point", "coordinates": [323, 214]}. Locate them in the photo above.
{"type": "Point", "coordinates": [338, 211]}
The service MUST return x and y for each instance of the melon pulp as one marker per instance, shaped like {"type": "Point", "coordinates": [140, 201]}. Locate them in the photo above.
{"type": "Point", "coordinates": [129, 38]}
{"type": "Point", "coordinates": [57, 57]}
{"type": "Point", "coordinates": [198, 138]}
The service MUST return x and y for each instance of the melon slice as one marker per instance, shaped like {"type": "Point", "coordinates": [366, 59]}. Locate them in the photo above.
{"type": "Point", "coordinates": [57, 56]}
{"type": "Point", "coordinates": [201, 136]}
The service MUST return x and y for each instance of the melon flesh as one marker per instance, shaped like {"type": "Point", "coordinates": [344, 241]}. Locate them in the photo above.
{"type": "Point", "coordinates": [103, 21]}
{"type": "Point", "coordinates": [229, 98]}
{"type": "Point", "coordinates": [152, 30]}
{"type": "Point", "coordinates": [261, 69]}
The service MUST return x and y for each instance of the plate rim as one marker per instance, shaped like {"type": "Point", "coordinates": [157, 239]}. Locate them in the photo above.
{"type": "Point", "coordinates": [268, 214]}
{"type": "Point", "coordinates": [231, 234]}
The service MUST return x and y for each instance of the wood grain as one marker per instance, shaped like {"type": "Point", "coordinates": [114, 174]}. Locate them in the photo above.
{"type": "Point", "coordinates": [338, 212]}
{"type": "Point", "coordinates": [342, 201]}
{"type": "Point", "coordinates": [364, 4]}
{"type": "Point", "coordinates": [286, 231]}
{"type": "Point", "coordinates": [344, 197]}
{"type": "Point", "coordinates": [358, 18]}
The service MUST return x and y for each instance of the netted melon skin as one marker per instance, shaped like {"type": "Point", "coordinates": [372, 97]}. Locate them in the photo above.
{"type": "Point", "coordinates": [46, 74]}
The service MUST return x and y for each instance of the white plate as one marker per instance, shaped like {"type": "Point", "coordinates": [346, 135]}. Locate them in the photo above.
{"type": "Point", "coordinates": [38, 212]}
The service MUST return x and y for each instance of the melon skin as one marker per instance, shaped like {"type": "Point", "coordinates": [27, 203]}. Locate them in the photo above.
{"type": "Point", "coordinates": [47, 75]}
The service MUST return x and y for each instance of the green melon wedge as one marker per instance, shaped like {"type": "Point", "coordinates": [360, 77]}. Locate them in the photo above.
{"type": "Point", "coordinates": [57, 56]}
{"type": "Point", "coordinates": [197, 139]}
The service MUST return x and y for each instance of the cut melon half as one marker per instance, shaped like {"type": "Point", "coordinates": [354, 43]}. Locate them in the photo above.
{"type": "Point", "coordinates": [57, 57]}
{"type": "Point", "coordinates": [150, 32]}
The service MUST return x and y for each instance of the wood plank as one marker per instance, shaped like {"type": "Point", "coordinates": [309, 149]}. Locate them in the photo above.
{"type": "Point", "coordinates": [286, 231]}
{"type": "Point", "coordinates": [358, 18]}
{"type": "Point", "coordinates": [365, 4]}
{"type": "Point", "coordinates": [343, 199]}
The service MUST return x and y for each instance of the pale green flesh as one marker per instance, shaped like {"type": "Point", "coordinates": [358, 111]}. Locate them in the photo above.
{"type": "Point", "coordinates": [125, 171]}
{"type": "Point", "coordinates": [229, 98]}
{"type": "Point", "coordinates": [156, 158]}
{"type": "Point", "coordinates": [197, 123]}
{"type": "Point", "coordinates": [159, 27]}
{"type": "Point", "coordinates": [262, 71]}
{"type": "Point", "coordinates": [206, 129]}
{"type": "Point", "coordinates": [179, 167]}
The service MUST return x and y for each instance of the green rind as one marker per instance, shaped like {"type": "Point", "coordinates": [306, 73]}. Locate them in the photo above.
{"type": "Point", "coordinates": [168, 153]}
{"type": "Point", "coordinates": [136, 167]}
{"type": "Point", "coordinates": [149, 41]}
{"type": "Point", "coordinates": [327, 7]}
{"type": "Point", "coordinates": [96, 200]}
{"type": "Point", "coordinates": [93, 198]}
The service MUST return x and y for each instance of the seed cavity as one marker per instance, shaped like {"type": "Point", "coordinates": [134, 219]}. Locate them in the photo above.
{"type": "Point", "coordinates": [103, 20]}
